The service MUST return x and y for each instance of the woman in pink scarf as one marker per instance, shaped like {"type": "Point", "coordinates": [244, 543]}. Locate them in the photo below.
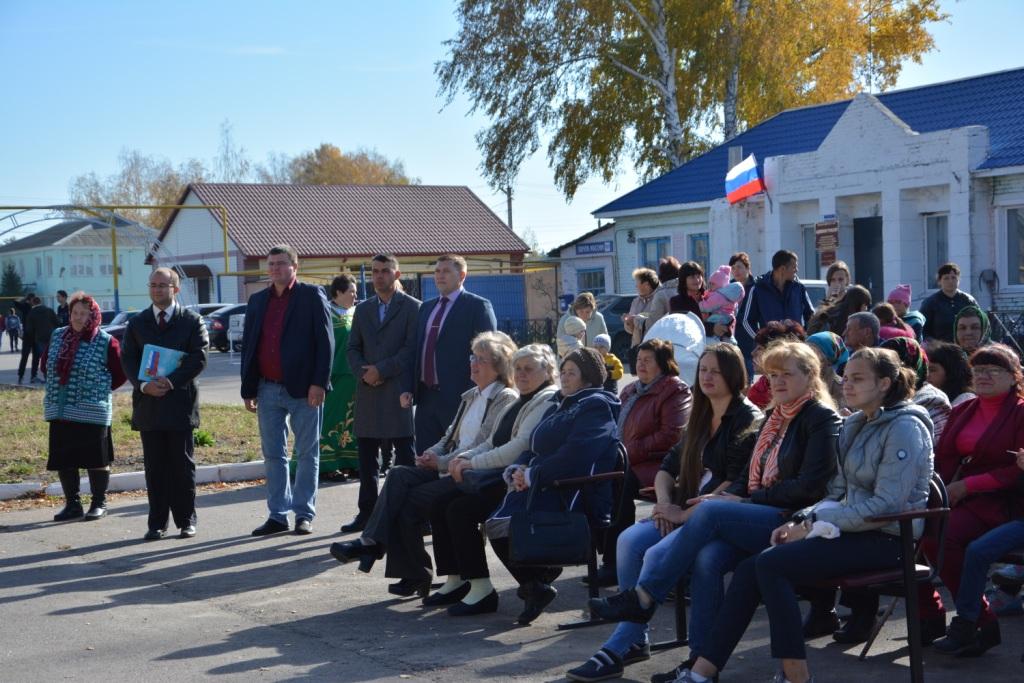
{"type": "Point", "coordinates": [82, 366]}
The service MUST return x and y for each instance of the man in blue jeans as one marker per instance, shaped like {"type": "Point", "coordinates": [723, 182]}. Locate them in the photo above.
{"type": "Point", "coordinates": [286, 370]}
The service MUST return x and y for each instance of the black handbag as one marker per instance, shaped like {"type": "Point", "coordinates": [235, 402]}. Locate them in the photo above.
{"type": "Point", "coordinates": [548, 538]}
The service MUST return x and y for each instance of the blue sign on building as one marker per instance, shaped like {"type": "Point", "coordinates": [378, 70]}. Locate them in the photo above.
{"type": "Point", "coordinates": [595, 248]}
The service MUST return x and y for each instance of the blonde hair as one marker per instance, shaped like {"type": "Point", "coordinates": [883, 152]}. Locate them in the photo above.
{"type": "Point", "coordinates": [808, 362]}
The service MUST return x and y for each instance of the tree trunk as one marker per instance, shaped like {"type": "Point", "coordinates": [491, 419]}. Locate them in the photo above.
{"type": "Point", "coordinates": [732, 82]}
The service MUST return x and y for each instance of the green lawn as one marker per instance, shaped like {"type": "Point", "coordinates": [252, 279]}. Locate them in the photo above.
{"type": "Point", "coordinates": [24, 436]}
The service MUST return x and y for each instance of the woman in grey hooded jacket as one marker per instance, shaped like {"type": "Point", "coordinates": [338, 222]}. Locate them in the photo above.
{"type": "Point", "coordinates": [885, 466]}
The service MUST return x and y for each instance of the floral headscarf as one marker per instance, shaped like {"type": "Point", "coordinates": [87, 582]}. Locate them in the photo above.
{"type": "Point", "coordinates": [832, 347]}
{"type": "Point", "coordinates": [911, 355]}
{"type": "Point", "coordinates": [70, 339]}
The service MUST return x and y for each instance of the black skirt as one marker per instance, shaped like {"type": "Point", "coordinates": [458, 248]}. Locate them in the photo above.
{"type": "Point", "coordinates": [80, 446]}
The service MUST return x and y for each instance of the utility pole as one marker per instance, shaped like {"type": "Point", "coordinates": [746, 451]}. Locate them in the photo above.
{"type": "Point", "coordinates": [507, 190]}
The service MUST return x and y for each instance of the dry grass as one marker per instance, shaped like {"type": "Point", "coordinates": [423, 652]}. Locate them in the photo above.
{"type": "Point", "coordinates": [24, 436]}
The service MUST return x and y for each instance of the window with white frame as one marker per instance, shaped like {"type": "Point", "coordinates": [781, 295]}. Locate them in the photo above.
{"type": "Point", "coordinates": [936, 238]}
{"type": "Point", "coordinates": [590, 280]}
{"type": "Point", "coordinates": [699, 244]}
{"type": "Point", "coordinates": [1015, 246]}
{"type": "Point", "coordinates": [652, 250]}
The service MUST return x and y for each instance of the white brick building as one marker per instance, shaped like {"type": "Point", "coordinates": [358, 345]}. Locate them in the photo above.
{"type": "Point", "coordinates": [913, 178]}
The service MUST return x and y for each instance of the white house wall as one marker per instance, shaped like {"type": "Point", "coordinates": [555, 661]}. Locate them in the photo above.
{"type": "Point", "coordinates": [195, 238]}
{"type": "Point", "coordinates": [676, 225]}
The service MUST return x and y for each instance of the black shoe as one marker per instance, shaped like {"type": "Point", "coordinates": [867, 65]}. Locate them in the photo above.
{"type": "Point", "coordinates": [857, 629]}
{"type": "Point", "coordinates": [637, 652]}
{"type": "Point", "coordinates": [606, 577]}
{"type": "Point", "coordinates": [442, 599]}
{"type": "Point", "coordinates": [271, 526]}
{"type": "Point", "coordinates": [357, 550]}
{"type": "Point", "coordinates": [933, 629]}
{"type": "Point", "coordinates": [406, 588]}
{"type": "Point", "coordinates": [96, 511]}
{"type": "Point", "coordinates": [623, 606]}
{"type": "Point", "coordinates": [72, 510]}
{"type": "Point", "coordinates": [188, 531]}
{"type": "Point", "coordinates": [154, 534]}
{"type": "Point", "coordinates": [537, 598]}
{"type": "Point", "coordinates": [486, 605]}
{"type": "Point", "coordinates": [357, 524]}
{"type": "Point", "coordinates": [820, 623]}
{"type": "Point", "coordinates": [965, 638]}
{"type": "Point", "coordinates": [303, 526]}
{"type": "Point", "coordinates": [988, 637]}
{"type": "Point", "coordinates": [604, 665]}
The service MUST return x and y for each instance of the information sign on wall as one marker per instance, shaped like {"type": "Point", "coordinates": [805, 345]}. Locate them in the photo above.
{"type": "Point", "coordinates": [594, 248]}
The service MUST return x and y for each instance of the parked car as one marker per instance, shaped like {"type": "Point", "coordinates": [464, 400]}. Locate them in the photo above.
{"type": "Point", "coordinates": [816, 290]}
{"type": "Point", "coordinates": [613, 307]}
{"type": "Point", "coordinates": [204, 310]}
{"type": "Point", "coordinates": [107, 316]}
{"type": "Point", "coordinates": [118, 324]}
{"type": "Point", "coordinates": [218, 324]}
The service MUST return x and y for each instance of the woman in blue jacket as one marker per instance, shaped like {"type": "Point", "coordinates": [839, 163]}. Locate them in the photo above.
{"type": "Point", "coordinates": [575, 440]}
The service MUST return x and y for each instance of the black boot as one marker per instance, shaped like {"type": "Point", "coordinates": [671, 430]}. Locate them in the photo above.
{"type": "Point", "coordinates": [73, 503]}
{"type": "Point", "coordinates": [98, 482]}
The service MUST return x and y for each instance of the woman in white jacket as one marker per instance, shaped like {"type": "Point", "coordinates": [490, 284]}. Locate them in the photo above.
{"type": "Point", "coordinates": [454, 521]}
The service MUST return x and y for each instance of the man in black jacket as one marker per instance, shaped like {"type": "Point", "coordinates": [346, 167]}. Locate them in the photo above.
{"type": "Point", "coordinates": [286, 373]}
{"type": "Point", "coordinates": [941, 308]}
{"type": "Point", "coordinates": [39, 326]}
{"type": "Point", "coordinates": [165, 409]}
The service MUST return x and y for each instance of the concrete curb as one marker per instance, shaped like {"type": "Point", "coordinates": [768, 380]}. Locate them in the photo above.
{"type": "Point", "coordinates": [135, 481]}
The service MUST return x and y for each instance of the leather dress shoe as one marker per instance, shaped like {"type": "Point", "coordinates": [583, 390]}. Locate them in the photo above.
{"type": "Point", "coordinates": [486, 605]}
{"type": "Point", "coordinates": [271, 526]}
{"type": "Point", "coordinates": [357, 524]}
{"type": "Point", "coordinates": [303, 527]}
{"type": "Point", "coordinates": [442, 599]}
{"type": "Point", "coordinates": [96, 511]}
{"type": "Point", "coordinates": [406, 588]}
{"type": "Point", "coordinates": [348, 551]}
{"type": "Point", "coordinates": [188, 531]}
{"type": "Point", "coordinates": [538, 597]}
{"type": "Point", "coordinates": [154, 534]}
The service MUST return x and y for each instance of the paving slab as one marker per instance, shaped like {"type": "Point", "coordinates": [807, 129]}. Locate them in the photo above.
{"type": "Point", "coordinates": [93, 601]}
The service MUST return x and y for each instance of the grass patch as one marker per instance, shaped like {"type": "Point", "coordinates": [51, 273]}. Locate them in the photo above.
{"type": "Point", "coordinates": [24, 436]}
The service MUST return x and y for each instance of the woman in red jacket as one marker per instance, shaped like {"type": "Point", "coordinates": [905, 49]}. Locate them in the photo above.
{"type": "Point", "coordinates": [976, 459]}
{"type": "Point", "coordinates": [655, 409]}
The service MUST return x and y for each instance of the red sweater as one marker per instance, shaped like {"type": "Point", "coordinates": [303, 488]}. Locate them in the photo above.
{"type": "Point", "coordinates": [984, 429]}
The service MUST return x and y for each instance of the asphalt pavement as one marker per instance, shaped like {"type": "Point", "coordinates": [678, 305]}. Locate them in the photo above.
{"type": "Point", "coordinates": [93, 601]}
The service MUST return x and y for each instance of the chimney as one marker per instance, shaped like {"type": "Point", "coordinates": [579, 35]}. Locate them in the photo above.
{"type": "Point", "coordinates": [735, 155]}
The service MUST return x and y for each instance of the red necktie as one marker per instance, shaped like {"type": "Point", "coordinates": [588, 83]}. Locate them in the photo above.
{"type": "Point", "coordinates": [429, 366]}
{"type": "Point", "coordinates": [163, 320]}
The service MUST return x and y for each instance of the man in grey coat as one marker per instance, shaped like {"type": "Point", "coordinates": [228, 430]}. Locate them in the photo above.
{"type": "Point", "coordinates": [381, 352]}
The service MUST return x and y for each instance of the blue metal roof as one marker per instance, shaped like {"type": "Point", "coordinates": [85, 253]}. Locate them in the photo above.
{"type": "Point", "coordinates": [995, 101]}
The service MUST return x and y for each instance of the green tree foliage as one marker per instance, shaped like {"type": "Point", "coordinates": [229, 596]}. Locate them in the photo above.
{"type": "Point", "coordinates": [10, 282]}
{"type": "Point", "coordinates": [654, 81]}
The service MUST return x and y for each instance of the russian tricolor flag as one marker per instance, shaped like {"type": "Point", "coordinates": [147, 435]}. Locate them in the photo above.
{"type": "Point", "coordinates": [742, 180]}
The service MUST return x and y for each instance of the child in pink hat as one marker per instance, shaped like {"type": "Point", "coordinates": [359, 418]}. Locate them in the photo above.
{"type": "Point", "coordinates": [900, 298]}
{"type": "Point", "coordinates": [721, 301]}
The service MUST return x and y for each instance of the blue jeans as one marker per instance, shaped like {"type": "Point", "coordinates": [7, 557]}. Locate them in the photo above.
{"type": "Point", "coordinates": [273, 405]}
{"type": "Point", "coordinates": [981, 553]}
{"type": "Point", "coordinates": [747, 527]}
{"type": "Point", "coordinates": [707, 584]}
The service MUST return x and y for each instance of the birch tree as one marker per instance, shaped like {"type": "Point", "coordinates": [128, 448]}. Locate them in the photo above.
{"type": "Point", "coordinates": [654, 82]}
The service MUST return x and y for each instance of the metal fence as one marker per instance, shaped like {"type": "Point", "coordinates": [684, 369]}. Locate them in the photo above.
{"type": "Point", "coordinates": [1008, 328]}
{"type": "Point", "coordinates": [523, 332]}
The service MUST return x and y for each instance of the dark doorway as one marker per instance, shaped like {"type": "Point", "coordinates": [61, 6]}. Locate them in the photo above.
{"type": "Point", "coordinates": [203, 290]}
{"type": "Point", "coordinates": [867, 256]}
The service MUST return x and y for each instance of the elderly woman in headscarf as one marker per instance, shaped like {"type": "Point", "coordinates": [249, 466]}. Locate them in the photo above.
{"type": "Point", "coordinates": [926, 395]}
{"type": "Point", "coordinates": [82, 366]}
{"type": "Point", "coordinates": [833, 354]}
{"type": "Point", "coordinates": [971, 329]}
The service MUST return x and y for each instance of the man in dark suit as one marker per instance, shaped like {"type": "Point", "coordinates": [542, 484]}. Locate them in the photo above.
{"type": "Point", "coordinates": [445, 330]}
{"type": "Point", "coordinates": [286, 373]}
{"type": "Point", "coordinates": [165, 409]}
{"type": "Point", "coordinates": [40, 323]}
{"type": "Point", "coordinates": [381, 355]}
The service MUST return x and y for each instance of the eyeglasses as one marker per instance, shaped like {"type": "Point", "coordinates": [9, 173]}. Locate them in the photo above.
{"type": "Point", "coordinates": [159, 285]}
{"type": "Point", "coordinates": [473, 358]}
{"type": "Point", "coordinates": [988, 371]}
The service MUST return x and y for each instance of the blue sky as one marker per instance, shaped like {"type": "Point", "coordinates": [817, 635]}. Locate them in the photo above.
{"type": "Point", "coordinates": [82, 80]}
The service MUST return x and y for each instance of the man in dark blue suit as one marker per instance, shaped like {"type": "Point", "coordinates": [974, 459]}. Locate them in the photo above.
{"type": "Point", "coordinates": [286, 373]}
{"type": "Point", "coordinates": [445, 329]}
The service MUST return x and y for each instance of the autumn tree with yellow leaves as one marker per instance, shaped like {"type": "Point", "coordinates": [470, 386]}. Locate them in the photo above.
{"type": "Point", "coordinates": [658, 81]}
